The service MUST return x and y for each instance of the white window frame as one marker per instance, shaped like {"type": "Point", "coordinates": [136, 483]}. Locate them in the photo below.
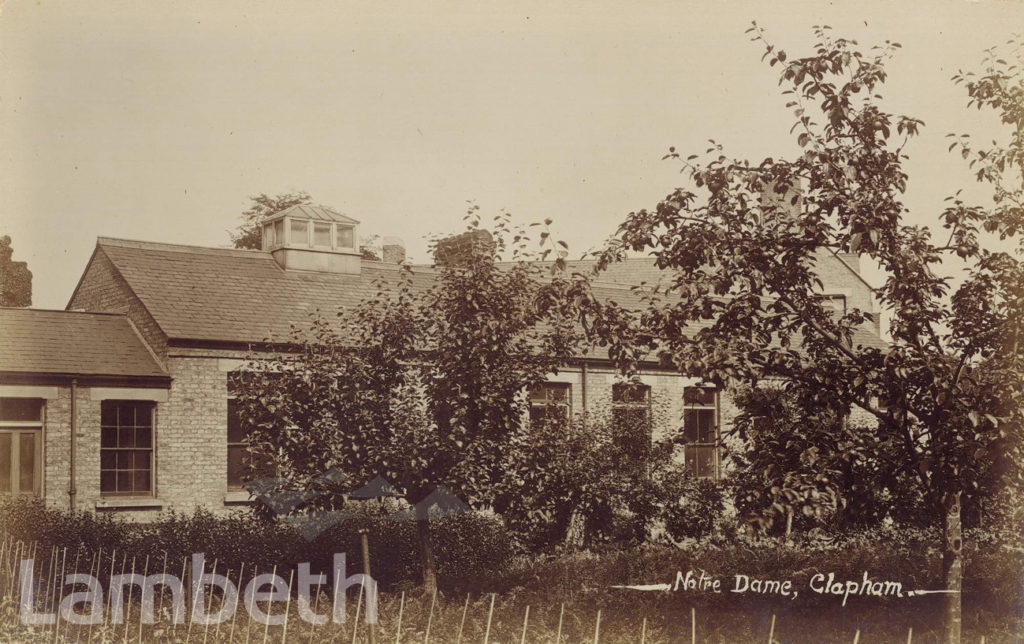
{"type": "Point", "coordinates": [715, 444]}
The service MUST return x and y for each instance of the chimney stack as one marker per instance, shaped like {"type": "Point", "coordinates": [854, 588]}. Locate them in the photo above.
{"type": "Point", "coordinates": [393, 250]}
{"type": "Point", "coordinates": [456, 250]}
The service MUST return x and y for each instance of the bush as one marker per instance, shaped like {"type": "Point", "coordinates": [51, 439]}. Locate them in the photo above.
{"type": "Point", "coordinates": [468, 542]}
{"type": "Point", "coordinates": [599, 481]}
{"type": "Point", "coordinates": [696, 509]}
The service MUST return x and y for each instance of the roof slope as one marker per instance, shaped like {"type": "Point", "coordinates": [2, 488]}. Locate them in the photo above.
{"type": "Point", "coordinates": [69, 342]}
{"type": "Point", "coordinates": [230, 295]}
{"type": "Point", "coordinates": [220, 294]}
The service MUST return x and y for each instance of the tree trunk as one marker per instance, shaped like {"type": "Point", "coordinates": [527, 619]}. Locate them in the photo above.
{"type": "Point", "coordinates": [427, 555]}
{"type": "Point", "coordinates": [953, 570]}
{"type": "Point", "coordinates": [575, 532]}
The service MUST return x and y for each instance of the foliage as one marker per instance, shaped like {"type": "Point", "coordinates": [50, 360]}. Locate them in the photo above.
{"type": "Point", "coordinates": [249, 234]}
{"type": "Point", "coordinates": [422, 383]}
{"type": "Point", "coordinates": [472, 541]}
{"type": "Point", "coordinates": [814, 467]}
{"type": "Point", "coordinates": [588, 475]}
{"type": "Point", "coordinates": [741, 243]}
{"type": "Point", "coordinates": [582, 583]}
{"type": "Point", "coordinates": [15, 278]}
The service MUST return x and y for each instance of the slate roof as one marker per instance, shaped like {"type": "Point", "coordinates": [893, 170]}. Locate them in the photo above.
{"type": "Point", "coordinates": [36, 341]}
{"type": "Point", "coordinates": [231, 295]}
{"type": "Point", "coordinates": [222, 294]}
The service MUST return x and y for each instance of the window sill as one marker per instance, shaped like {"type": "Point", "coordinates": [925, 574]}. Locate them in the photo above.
{"type": "Point", "coordinates": [232, 497]}
{"type": "Point", "coordinates": [129, 503]}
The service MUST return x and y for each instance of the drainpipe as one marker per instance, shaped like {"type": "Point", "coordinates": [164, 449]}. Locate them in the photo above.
{"type": "Point", "coordinates": [583, 390]}
{"type": "Point", "coordinates": [71, 485]}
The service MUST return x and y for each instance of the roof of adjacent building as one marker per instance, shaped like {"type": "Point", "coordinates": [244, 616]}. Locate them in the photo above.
{"type": "Point", "coordinates": [316, 213]}
{"type": "Point", "coordinates": [231, 295]}
{"type": "Point", "coordinates": [37, 341]}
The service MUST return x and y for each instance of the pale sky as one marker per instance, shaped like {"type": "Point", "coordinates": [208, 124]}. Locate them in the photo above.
{"type": "Point", "coordinates": [156, 121]}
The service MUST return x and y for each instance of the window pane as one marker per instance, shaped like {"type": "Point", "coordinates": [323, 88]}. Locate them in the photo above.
{"type": "Point", "coordinates": [124, 460]}
{"type": "Point", "coordinates": [140, 460]}
{"type": "Point", "coordinates": [701, 460]}
{"type": "Point", "coordinates": [699, 425]}
{"type": "Point", "coordinates": [346, 237]}
{"type": "Point", "coordinates": [322, 235]}
{"type": "Point", "coordinates": [108, 481]}
{"type": "Point", "coordinates": [108, 437]}
{"type": "Point", "coordinates": [700, 396]}
{"type": "Point", "coordinates": [6, 461]}
{"type": "Point", "coordinates": [108, 459]}
{"type": "Point", "coordinates": [143, 437]}
{"type": "Point", "coordinates": [236, 468]}
{"type": "Point", "coordinates": [125, 415]}
{"type": "Point", "coordinates": [108, 414]}
{"type": "Point", "coordinates": [279, 232]}
{"type": "Point", "coordinates": [235, 432]}
{"type": "Point", "coordinates": [141, 481]}
{"type": "Point", "coordinates": [705, 461]}
{"type": "Point", "coordinates": [27, 442]}
{"type": "Point", "coordinates": [268, 234]}
{"type": "Point", "coordinates": [126, 436]}
{"type": "Point", "coordinates": [21, 409]}
{"type": "Point", "coordinates": [124, 481]}
{"type": "Point", "coordinates": [299, 235]}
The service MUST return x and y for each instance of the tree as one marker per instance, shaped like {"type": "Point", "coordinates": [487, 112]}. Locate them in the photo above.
{"type": "Point", "coordinates": [15, 278]}
{"type": "Point", "coordinates": [422, 384]}
{"type": "Point", "coordinates": [249, 234]}
{"type": "Point", "coordinates": [740, 244]}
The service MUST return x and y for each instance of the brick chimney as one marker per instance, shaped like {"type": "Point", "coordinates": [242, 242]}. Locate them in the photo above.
{"type": "Point", "coordinates": [393, 250]}
{"type": "Point", "coordinates": [455, 250]}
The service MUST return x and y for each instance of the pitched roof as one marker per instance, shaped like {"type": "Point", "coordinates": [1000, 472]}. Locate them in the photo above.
{"type": "Point", "coordinates": [231, 295]}
{"type": "Point", "coordinates": [36, 341]}
{"type": "Point", "coordinates": [316, 213]}
{"type": "Point", "coordinates": [222, 294]}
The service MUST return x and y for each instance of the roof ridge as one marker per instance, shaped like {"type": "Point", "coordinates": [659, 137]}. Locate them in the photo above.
{"type": "Point", "coordinates": [180, 248]}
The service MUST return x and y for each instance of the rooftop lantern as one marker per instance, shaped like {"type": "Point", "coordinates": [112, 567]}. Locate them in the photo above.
{"type": "Point", "coordinates": [312, 238]}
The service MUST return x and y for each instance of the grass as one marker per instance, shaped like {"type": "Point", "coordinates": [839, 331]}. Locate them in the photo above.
{"type": "Point", "coordinates": [406, 617]}
{"type": "Point", "coordinates": [554, 600]}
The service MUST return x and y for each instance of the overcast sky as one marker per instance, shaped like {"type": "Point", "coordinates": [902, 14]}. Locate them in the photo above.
{"type": "Point", "coordinates": [156, 122]}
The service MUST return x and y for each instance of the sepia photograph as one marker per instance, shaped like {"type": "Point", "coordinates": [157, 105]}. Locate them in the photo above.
{"type": "Point", "coordinates": [582, 322]}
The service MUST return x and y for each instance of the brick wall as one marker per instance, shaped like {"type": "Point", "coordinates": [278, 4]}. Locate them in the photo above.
{"type": "Point", "coordinates": [103, 289]}
{"type": "Point", "coordinates": [56, 476]}
{"type": "Point", "coordinates": [192, 436]}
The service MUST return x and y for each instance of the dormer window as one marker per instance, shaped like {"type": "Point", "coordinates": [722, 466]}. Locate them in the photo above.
{"type": "Point", "coordinates": [322, 235]}
{"type": "Point", "coordinates": [300, 233]}
{"type": "Point", "coordinates": [312, 238]}
{"type": "Point", "coordinates": [346, 236]}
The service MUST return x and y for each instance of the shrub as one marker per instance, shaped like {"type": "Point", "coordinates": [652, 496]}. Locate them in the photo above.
{"type": "Point", "coordinates": [600, 481]}
{"type": "Point", "coordinates": [469, 542]}
{"type": "Point", "coordinates": [695, 507]}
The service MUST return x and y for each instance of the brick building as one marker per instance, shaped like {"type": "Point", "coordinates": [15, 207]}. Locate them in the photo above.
{"type": "Point", "coordinates": [138, 369]}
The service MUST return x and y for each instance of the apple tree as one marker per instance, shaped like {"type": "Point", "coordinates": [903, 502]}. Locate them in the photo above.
{"type": "Point", "coordinates": [740, 245]}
